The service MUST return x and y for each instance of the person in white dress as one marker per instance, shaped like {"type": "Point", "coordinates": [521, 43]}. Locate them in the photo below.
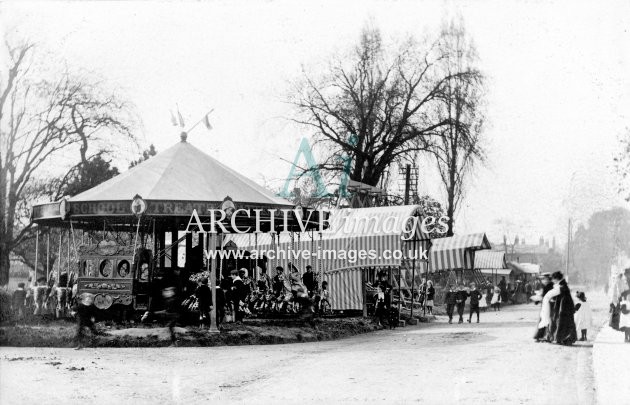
{"type": "Point", "coordinates": [582, 316]}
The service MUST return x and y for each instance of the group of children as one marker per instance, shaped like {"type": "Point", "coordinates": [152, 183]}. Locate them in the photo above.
{"type": "Point", "coordinates": [457, 296]}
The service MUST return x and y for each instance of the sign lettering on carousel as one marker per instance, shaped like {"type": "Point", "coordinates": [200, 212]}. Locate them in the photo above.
{"type": "Point", "coordinates": [153, 207]}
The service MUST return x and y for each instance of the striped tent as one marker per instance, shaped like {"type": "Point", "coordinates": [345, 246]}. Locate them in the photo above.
{"type": "Point", "coordinates": [456, 252]}
{"type": "Point", "coordinates": [490, 260]}
{"type": "Point", "coordinates": [352, 230]}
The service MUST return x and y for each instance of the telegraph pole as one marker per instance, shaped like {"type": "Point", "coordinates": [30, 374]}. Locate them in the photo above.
{"type": "Point", "coordinates": [568, 248]}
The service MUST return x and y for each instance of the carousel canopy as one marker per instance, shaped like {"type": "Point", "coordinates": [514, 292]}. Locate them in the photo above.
{"type": "Point", "coordinates": [172, 184]}
{"type": "Point", "coordinates": [456, 252]}
{"type": "Point", "coordinates": [181, 173]}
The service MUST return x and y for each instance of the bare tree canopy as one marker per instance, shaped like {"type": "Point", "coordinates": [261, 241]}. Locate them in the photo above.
{"type": "Point", "coordinates": [380, 107]}
{"type": "Point", "coordinates": [43, 117]}
{"type": "Point", "coordinates": [459, 146]}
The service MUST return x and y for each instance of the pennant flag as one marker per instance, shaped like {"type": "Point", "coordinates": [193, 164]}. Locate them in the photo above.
{"type": "Point", "coordinates": [181, 120]}
{"type": "Point", "coordinates": [206, 122]}
{"type": "Point", "coordinates": [173, 120]}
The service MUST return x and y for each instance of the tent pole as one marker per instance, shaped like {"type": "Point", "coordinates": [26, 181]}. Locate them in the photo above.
{"type": "Point", "coordinates": [59, 256]}
{"type": "Point", "coordinates": [413, 274]}
{"type": "Point", "coordinates": [399, 291]}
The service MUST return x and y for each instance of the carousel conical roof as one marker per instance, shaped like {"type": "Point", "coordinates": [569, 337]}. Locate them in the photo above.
{"type": "Point", "coordinates": [181, 173]}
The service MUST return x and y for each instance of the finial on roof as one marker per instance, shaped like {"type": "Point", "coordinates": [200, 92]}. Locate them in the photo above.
{"type": "Point", "coordinates": [183, 136]}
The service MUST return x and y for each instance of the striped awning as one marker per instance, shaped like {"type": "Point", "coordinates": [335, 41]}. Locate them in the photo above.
{"type": "Point", "coordinates": [456, 252]}
{"type": "Point", "coordinates": [486, 259]}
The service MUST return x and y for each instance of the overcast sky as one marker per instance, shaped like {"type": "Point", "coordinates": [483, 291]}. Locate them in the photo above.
{"type": "Point", "coordinates": [559, 85]}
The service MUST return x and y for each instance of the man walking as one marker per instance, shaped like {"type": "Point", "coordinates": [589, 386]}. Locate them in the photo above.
{"type": "Point", "coordinates": [450, 299]}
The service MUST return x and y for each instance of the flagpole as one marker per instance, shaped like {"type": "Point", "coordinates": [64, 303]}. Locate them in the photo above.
{"type": "Point", "coordinates": [199, 122]}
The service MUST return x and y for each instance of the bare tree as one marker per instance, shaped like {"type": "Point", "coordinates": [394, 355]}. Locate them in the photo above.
{"type": "Point", "coordinates": [459, 146]}
{"type": "Point", "coordinates": [39, 119]}
{"type": "Point", "coordinates": [374, 106]}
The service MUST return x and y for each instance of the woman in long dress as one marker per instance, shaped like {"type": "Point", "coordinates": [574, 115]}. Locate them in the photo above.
{"type": "Point", "coordinates": [562, 325]}
{"type": "Point", "coordinates": [545, 310]}
{"type": "Point", "coordinates": [545, 313]}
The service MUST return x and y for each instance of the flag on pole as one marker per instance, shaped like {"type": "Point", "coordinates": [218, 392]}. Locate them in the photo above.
{"type": "Point", "coordinates": [206, 122]}
{"type": "Point", "coordinates": [181, 119]}
{"type": "Point", "coordinates": [173, 120]}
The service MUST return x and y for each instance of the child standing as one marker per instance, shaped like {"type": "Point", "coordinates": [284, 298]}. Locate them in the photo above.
{"type": "Point", "coordinates": [450, 299]}
{"type": "Point", "coordinates": [483, 302]}
{"type": "Point", "coordinates": [496, 299]}
{"type": "Point", "coordinates": [324, 303]}
{"type": "Point", "coordinates": [582, 315]}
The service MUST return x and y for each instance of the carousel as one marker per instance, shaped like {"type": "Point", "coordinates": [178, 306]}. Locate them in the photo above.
{"type": "Point", "coordinates": [126, 233]}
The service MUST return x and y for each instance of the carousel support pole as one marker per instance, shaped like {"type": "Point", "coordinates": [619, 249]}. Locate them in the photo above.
{"type": "Point", "coordinates": [59, 256]}
{"type": "Point", "coordinates": [34, 281]}
{"type": "Point", "coordinates": [68, 258]}
{"type": "Point", "coordinates": [162, 242]}
{"type": "Point", "coordinates": [189, 241]}
{"type": "Point", "coordinates": [155, 246]}
{"type": "Point", "coordinates": [174, 247]}
{"type": "Point", "coordinates": [47, 254]}
{"type": "Point", "coordinates": [211, 241]}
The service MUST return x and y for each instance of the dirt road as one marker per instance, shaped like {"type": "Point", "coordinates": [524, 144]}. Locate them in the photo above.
{"type": "Point", "coordinates": [495, 361]}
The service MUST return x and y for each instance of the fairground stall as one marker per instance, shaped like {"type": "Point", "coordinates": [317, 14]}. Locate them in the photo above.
{"type": "Point", "coordinates": [391, 233]}
{"type": "Point", "coordinates": [492, 265]}
{"type": "Point", "coordinates": [452, 261]}
{"type": "Point", "coordinates": [127, 232]}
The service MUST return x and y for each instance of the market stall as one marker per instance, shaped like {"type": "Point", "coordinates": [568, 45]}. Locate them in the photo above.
{"type": "Point", "coordinates": [452, 260]}
{"type": "Point", "coordinates": [492, 264]}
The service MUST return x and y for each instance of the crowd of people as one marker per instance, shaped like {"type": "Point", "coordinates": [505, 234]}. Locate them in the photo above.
{"type": "Point", "coordinates": [45, 298]}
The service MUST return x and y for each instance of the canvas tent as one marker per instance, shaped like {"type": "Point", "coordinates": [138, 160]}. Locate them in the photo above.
{"type": "Point", "coordinates": [377, 229]}
{"type": "Point", "coordinates": [492, 263]}
{"type": "Point", "coordinates": [456, 252]}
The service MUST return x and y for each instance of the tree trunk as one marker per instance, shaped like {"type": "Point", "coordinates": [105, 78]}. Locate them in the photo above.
{"type": "Point", "coordinates": [5, 263]}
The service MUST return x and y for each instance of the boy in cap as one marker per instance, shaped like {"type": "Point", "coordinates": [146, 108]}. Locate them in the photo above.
{"type": "Point", "coordinates": [450, 299]}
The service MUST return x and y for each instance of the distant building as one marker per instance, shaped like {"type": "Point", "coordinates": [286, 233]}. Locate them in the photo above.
{"type": "Point", "coordinates": [520, 252]}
